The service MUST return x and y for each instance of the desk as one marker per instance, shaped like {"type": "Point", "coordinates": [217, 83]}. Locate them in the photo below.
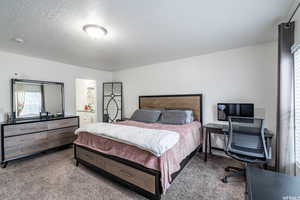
{"type": "Point", "coordinates": [262, 184]}
{"type": "Point", "coordinates": [220, 129]}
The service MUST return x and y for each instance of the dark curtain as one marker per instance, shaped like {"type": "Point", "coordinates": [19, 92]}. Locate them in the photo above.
{"type": "Point", "coordinates": [285, 137]}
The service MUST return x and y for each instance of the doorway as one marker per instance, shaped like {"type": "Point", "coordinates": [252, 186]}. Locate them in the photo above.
{"type": "Point", "coordinates": [86, 101]}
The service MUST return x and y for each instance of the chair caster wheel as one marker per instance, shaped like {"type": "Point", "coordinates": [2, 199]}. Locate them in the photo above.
{"type": "Point", "coordinates": [3, 165]}
{"type": "Point", "coordinates": [224, 180]}
{"type": "Point", "coordinates": [227, 169]}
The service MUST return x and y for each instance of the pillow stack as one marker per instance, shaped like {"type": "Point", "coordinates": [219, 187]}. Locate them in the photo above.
{"type": "Point", "coordinates": [174, 116]}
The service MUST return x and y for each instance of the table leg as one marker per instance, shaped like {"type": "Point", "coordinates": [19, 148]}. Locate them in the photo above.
{"type": "Point", "coordinates": [206, 143]}
{"type": "Point", "coordinates": [209, 137]}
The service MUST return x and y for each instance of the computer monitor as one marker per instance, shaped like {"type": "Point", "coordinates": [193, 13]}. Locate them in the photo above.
{"type": "Point", "coordinates": [234, 109]}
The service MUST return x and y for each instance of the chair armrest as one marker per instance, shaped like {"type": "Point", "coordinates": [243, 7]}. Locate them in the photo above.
{"type": "Point", "coordinates": [225, 131]}
{"type": "Point", "coordinates": [226, 138]}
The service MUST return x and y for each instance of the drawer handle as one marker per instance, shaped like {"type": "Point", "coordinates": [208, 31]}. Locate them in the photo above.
{"type": "Point", "coordinates": [26, 129]}
{"type": "Point", "coordinates": [32, 129]}
{"type": "Point", "coordinates": [126, 173]}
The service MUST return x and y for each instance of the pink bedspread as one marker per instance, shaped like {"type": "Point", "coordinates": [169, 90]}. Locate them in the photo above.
{"type": "Point", "coordinates": [167, 164]}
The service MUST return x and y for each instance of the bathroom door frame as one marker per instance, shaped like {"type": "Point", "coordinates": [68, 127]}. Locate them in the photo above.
{"type": "Point", "coordinates": [96, 92]}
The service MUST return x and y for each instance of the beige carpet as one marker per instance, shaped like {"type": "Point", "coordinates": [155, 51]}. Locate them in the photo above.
{"type": "Point", "coordinates": [55, 176]}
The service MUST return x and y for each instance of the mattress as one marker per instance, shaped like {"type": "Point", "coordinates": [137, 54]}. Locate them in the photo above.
{"type": "Point", "coordinates": [167, 164]}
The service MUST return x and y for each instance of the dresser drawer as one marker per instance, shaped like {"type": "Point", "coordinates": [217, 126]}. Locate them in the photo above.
{"type": "Point", "coordinates": [24, 128]}
{"type": "Point", "coordinates": [61, 132]}
{"type": "Point", "coordinates": [61, 137]}
{"type": "Point", "coordinates": [62, 123]}
{"type": "Point", "coordinates": [25, 144]}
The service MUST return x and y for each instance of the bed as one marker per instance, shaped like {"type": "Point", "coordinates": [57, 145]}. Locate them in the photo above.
{"type": "Point", "coordinates": [135, 168]}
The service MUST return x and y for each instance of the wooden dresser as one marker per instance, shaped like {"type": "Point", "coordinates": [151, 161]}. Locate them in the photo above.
{"type": "Point", "coordinates": [21, 139]}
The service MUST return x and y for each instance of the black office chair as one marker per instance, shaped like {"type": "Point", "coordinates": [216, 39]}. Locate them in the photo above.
{"type": "Point", "coordinates": [246, 142]}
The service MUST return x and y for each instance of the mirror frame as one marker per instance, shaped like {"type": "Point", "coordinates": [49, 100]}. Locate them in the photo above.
{"type": "Point", "coordinates": [13, 81]}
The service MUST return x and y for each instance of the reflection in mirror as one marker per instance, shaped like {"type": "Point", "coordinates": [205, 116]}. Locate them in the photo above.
{"type": "Point", "coordinates": [53, 98]}
{"type": "Point", "coordinates": [30, 98]}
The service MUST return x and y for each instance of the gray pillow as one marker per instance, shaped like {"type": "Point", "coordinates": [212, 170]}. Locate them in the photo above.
{"type": "Point", "coordinates": [177, 117]}
{"type": "Point", "coordinates": [146, 115]}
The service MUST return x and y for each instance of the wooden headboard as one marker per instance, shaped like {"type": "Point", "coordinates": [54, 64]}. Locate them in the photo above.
{"type": "Point", "coordinates": [184, 101]}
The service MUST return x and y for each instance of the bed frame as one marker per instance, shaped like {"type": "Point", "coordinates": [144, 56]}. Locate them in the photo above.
{"type": "Point", "coordinates": [136, 177]}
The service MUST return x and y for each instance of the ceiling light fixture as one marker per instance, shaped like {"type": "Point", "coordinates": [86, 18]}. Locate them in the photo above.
{"type": "Point", "coordinates": [95, 31]}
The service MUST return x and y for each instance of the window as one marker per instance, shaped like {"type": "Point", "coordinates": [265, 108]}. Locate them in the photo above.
{"type": "Point", "coordinates": [32, 105]}
{"type": "Point", "coordinates": [297, 104]}
{"type": "Point", "coordinates": [28, 100]}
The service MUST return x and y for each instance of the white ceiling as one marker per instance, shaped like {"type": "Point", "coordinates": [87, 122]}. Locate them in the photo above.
{"type": "Point", "coordinates": [141, 32]}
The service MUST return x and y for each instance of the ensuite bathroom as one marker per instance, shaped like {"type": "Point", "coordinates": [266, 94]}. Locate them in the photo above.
{"type": "Point", "coordinates": [86, 101]}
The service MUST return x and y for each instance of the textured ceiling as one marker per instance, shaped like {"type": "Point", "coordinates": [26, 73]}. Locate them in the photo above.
{"type": "Point", "coordinates": [140, 31]}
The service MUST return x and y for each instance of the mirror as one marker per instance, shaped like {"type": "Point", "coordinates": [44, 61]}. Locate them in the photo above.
{"type": "Point", "coordinates": [53, 98]}
{"type": "Point", "coordinates": [30, 98]}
